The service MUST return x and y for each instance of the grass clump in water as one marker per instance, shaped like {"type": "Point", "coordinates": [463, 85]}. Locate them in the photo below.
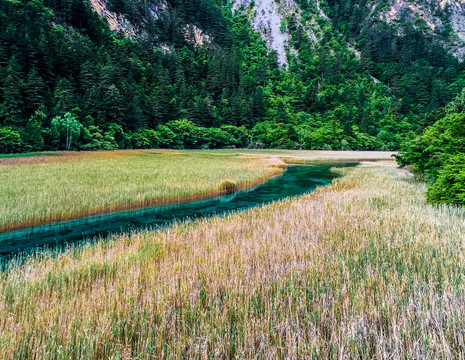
{"type": "Point", "coordinates": [228, 185]}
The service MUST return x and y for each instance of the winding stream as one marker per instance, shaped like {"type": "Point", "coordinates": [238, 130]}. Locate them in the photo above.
{"type": "Point", "coordinates": [296, 180]}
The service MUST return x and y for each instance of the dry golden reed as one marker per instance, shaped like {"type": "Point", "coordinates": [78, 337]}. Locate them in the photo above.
{"type": "Point", "coordinates": [363, 268]}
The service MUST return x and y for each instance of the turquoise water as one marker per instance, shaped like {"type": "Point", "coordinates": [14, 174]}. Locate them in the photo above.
{"type": "Point", "coordinates": [296, 180]}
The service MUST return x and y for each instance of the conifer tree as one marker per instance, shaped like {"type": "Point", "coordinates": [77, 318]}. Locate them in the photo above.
{"type": "Point", "coordinates": [33, 132]}
{"type": "Point", "coordinates": [13, 91]}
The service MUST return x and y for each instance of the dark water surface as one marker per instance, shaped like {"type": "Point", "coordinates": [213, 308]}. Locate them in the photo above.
{"type": "Point", "coordinates": [297, 180]}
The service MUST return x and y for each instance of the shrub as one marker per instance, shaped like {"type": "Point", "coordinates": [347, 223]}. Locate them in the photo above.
{"type": "Point", "coordinates": [450, 185]}
{"type": "Point", "coordinates": [431, 151]}
{"type": "Point", "coordinates": [146, 139]}
{"type": "Point", "coordinates": [10, 141]}
{"type": "Point", "coordinates": [272, 135]}
{"type": "Point", "coordinates": [211, 138]}
{"type": "Point", "coordinates": [92, 138]}
{"type": "Point", "coordinates": [238, 135]}
{"type": "Point", "coordinates": [345, 145]}
{"type": "Point", "coordinates": [117, 134]}
{"type": "Point", "coordinates": [184, 131]}
{"type": "Point", "coordinates": [167, 137]}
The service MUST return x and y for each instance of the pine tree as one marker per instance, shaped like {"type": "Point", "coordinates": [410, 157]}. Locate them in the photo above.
{"type": "Point", "coordinates": [281, 113]}
{"type": "Point", "coordinates": [64, 96]}
{"type": "Point", "coordinates": [33, 137]}
{"type": "Point", "coordinates": [258, 109]}
{"type": "Point", "coordinates": [158, 105]}
{"type": "Point", "coordinates": [35, 90]}
{"type": "Point", "coordinates": [113, 105]}
{"type": "Point", "coordinates": [92, 104]}
{"type": "Point", "coordinates": [13, 94]}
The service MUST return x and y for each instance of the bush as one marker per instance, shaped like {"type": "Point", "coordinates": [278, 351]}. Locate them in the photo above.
{"type": "Point", "coordinates": [32, 136]}
{"type": "Point", "coordinates": [167, 137]}
{"type": "Point", "coordinates": [430, 151]}
{"type": "Point", "coordinates": [450, 185]}
{"type": "Point", "coordinates": [211, 138]}
{"type": "Point", "coordinates": [184, 131]}
{"type": "Point", "coordinates": [238, 136]}
{"type": "Point", "coordinates": [345, 145]}
{"type": "Point", "coordinates": [146, 139]}
{"type": "Point", "coordinates": [272, 135]}
{"type": "Point", "coordinates": [118, 136]}
{"type": "Point", "coordinates": [92, 138]}
{"type": "Point", "coordinates": [10, 141]}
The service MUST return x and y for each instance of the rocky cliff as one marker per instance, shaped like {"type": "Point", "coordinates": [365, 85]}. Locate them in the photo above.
{"type": "Point", "coordinates": [444, 19]}
{"type": "Point", "coordinates": [269, 18]}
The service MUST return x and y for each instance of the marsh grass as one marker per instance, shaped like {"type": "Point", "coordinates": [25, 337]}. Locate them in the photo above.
{"type": "Point", "coordinates": [79, 184]}
{"type": "Point", "coordinates": [363, 268]}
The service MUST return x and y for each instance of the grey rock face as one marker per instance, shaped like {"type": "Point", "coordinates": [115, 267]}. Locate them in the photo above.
{"type": "Point", "coordinates": [267, 16]}
{"type": "Point", "coordinates": [429, 11]}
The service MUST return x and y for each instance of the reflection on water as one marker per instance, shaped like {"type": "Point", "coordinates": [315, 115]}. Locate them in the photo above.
{"type": "Point", "coordinates": [297, 180]}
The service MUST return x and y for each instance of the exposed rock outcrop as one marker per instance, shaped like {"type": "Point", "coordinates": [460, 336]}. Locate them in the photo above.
{"type": "Point", "coordinates": [119, 23]}
{"type": "Point", "coordinates": [116, 22]}
{"type": "Point", "coordinates": [268, 17]}
{"type": "Point", "coordinates": [437, 15]}
{"type": "Point", "coordinates": [196, 36]}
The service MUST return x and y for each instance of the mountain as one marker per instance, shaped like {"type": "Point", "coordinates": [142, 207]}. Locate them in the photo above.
{"type": "Point", "coordinates": [107, 74]}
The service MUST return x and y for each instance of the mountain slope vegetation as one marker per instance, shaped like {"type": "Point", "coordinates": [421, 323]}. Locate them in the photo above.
{"type": "Point", "coordinates": [90, 75]}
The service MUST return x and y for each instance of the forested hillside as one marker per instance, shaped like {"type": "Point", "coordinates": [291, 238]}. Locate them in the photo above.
{"type": "Point", "coordinates": [94, 74]}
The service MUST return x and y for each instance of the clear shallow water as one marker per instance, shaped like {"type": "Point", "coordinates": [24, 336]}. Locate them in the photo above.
{"type": "Point", "coordinates": [297, 180]}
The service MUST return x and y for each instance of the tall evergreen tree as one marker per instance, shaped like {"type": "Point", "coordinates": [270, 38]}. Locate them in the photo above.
{"type": "Point", "coordinates": [33, 132]}
{"type": "Point", "coordinates": [13, 92]}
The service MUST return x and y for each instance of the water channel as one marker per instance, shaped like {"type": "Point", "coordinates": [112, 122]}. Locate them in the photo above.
{"type": "Point", "coordinates": [296, 180]}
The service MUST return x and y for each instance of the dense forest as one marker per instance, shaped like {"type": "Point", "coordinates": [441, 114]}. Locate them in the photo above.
{"type": "Point", "coordinates": [68, 82]}
{"type": "Point", "coordinates": [438, 154]}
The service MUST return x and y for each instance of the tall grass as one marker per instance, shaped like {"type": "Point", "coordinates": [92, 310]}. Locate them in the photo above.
{"type": "Point", "coordinates": [90, 183]}
{"type": "Point", "coordinates": [363, 268]}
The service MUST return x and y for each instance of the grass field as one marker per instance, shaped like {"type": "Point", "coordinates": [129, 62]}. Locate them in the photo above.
{"type": "Point", "coordinates": [48, 188]}
{"type": "Point", "coordinates": [363, 268]}
{"type": "Point", "coordinates": [45, 187]}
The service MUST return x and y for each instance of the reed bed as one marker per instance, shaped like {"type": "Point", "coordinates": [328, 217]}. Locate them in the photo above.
{"type": "Point", "coordinates": [363, 268]}
{"type": "Point", "coordinates": [312, 155]}
{"type": "Point", "coordinates": [71, 185]}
